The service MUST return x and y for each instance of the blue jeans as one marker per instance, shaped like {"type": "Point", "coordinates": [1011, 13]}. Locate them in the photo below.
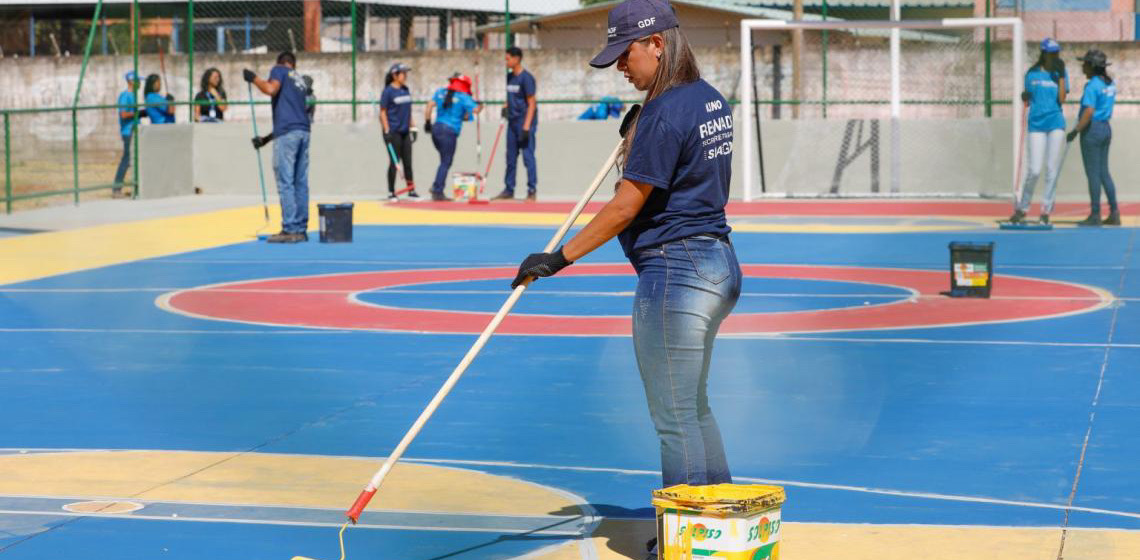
{"type": "Point", "coordinates": [444, 139]}
{"type": "Point", "coordinates": [124, 163]}
{"type": "Point", "coordinates": [514, 132]}
{"type": "Point", "coordinates": [685, 289]}
{"type": "Point", "coordinates": [1094, 153]}
{"type": "Point", "coordinates": [291, 167]}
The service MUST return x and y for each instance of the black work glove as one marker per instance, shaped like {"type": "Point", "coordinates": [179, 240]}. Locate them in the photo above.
{"type": "Point", "coordinates": [389, 138]}
{"type": "Point", "coordinates": [257, 143]}
{"type": "Point", "coordinates": [1071, 135]}
{"type": "Point", "coordinates": [169, 97]}
{"type": "Point", "coordinates": [413, 133]}
{"type": "Point", "coordinates": [540, 265]}
{"type": "Point", "coordinates": [503, 113]}
{"type": "Point", "coordinates": [248, 75]}
{"type": "Point", "coordinates": [1025, 96]}
{"type": "Point", "coordinates": [524, 138]}
{"type": "Point", "coordinates": [427, 126]}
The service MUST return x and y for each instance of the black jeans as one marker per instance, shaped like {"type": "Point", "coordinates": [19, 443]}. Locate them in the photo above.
{"type": "Point", "coordinates": [402, 144]}
{"type": "Point", "coordinates": [124, 163]}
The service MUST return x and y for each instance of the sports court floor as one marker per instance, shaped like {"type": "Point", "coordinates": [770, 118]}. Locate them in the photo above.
{"type": "Point", "coordinates": [172, 388]}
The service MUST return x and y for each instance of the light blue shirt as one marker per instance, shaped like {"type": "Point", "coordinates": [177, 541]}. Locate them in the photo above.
{"type": "Point", "coordinates": [1044, 107]}
{"type": "Point", "coordinates": [127, 103]}
{"type": "Point", "coordinates": [1100, 96]}
{"type": "Point", "coordinates": [159, 108]}
{"type": "Point", "coordinates": [461, 109]}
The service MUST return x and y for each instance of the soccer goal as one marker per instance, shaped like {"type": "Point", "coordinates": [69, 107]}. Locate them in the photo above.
{"type": "Point", "coordinates": [881, 108]}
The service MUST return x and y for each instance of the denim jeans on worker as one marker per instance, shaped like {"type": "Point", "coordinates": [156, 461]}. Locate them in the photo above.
{"type": "Point", "coordinates": [124, 162]}
{"type": "Point", "coordinates": [1094, 153]}
{"type": "Point", "coordinates": [444, 139]}
{"type": "Point", "coordinates": [291, 167]}
{"type": "Point", "coordinates": [685, 289]}
{"type": "Point", "coordinates": [514, 134]}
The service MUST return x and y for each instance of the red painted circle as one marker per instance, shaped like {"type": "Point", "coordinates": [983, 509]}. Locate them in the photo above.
{"type": "Point", "coordinates": [328, 301]}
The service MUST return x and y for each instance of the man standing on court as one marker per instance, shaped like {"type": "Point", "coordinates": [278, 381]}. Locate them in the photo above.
{"type": "Point", "coordinates": [522, 123]}
{"type": "Point", "coordinates": [128, 112]}
{"type": "Point", "coordinates": [291, 147]}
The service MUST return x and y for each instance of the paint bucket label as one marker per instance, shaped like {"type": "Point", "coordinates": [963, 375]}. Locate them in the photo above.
{"type": "Point", "coordinates": [464, 185]}
{"type": "Point", "coordinates": [692, 535]}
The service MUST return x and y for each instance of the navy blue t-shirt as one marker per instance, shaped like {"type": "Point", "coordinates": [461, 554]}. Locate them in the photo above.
{"type": "Point", "coordinates": [398, 103]}
{"type": "Point", "coordinates": [289, 103]}
{"type": "Point", "coordinates": [519, 87]}
{"type": "Point", "coordinates": [683, 147]}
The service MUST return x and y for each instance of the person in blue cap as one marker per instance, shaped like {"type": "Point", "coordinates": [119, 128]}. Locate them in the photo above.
{"type": "Point", "coordinates": [668, 214]}
{"type": "Point", "coordinates": [522, 126]}
{"type": "Point", "coordinates": [1096, 135]}
{"type": "Point", "coordinates": [129, 113]}
{"type": "Point", "coordinates": [1046, 85]}
{"type": "Point", "coordinates": [291, 127]}
{"type": "Point", "coordinates": [396, 122]}
{"type": "Point", "coordinates": [455, 106]}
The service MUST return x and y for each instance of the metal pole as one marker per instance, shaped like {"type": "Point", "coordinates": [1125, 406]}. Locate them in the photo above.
{"type": "Point", "coordinates": [1018, 107]}
{"type": "Point", "coordinates": [797, 59]}
{"type": "Point", "coordinates": [135, 130]}
{"type": "Point", "coordinates": [746, 104]}
{"type": "Point", "coordinates": [507, 32]}
{"type": "Point", "coordinates": [248, 30]}
{"type": "Point", "coordinates": [987, 92]}
{"type": "Point", "coordinates": [32, 34]}
{"type": "Point", "coordinates": [896, 99]}
{"type": "Point", "coordinates": [7, 163]}
{"type": "Point", "coordinates": [104, 35]}
{"type": "Point", "coordinates": [825, 37]}
{"type": "Point", "coordinates": [190, 55]}
{"type": "Point", "coordinates": [352, 11]}
{"type": "Point", "coordinates": [75, 100]}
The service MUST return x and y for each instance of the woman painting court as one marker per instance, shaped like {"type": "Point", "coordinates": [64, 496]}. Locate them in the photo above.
{"type": "Point", "coordinates": [668, 214]}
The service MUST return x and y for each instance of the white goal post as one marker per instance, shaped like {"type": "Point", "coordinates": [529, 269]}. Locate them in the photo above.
{"type": "Point", "coordinates": [747, 26]}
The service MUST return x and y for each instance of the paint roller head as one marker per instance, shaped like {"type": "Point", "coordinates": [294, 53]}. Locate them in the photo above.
{"type": "Point", "coordinates": [302, 558]}
{"type": "Point", "coordinates": [630, 116]}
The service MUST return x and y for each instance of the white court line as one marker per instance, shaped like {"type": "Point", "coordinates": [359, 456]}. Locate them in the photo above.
{"type": "Point", "coordinates": [579, 293]}
{"type": "Point", "coordinates": [30, 451]}
{"type": "Point", "coordinates": [796, 483]}
{"type": "Point", "coordinates": [772, 337]}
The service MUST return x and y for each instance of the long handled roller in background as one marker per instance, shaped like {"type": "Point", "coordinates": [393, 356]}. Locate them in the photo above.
{"type": "Point", "coordinates": [257, 154]}
{"type": "Point", "coordinates": [369, 491]}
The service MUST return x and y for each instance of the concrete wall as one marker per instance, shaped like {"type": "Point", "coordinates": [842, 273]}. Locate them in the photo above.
{"type": "Point", "coordinates": [800, 157]}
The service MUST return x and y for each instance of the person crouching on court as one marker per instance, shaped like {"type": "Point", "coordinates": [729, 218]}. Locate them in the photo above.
{"type": "Point", "coordinates": [668, 215]}
{"type": "Point", "coordinates": [399, 131]}
{"type": "Point", "coordinates": [455, 106]}
{"type": "Point", "coordinates": [1096, 134]}
{"type": "Point", "coordinates": [1046, 85]}
{"type": "Point", "coordinates": [291, 126]}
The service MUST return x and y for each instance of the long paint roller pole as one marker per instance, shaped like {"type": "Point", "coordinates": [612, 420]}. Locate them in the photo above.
{"type": "Point", "coordinates": [369, 491]}
{"type": "Point", "coordinates": [257, 152]}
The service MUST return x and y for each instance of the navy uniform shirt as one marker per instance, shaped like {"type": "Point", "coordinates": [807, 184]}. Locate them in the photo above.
{"type": "Point", "coordinates": [683, 147]}
{"type": "Point", "coordinates": [289, 103]}
{"type": "Point", "coordinates": [398, 103]}
{"type": "Point", "coordinates": [519, 87]}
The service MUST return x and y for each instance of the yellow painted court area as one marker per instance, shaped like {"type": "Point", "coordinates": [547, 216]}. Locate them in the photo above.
{"type": "Point", "coordinates": [118, 477]}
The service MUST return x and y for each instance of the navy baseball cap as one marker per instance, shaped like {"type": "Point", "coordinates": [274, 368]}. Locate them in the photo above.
{"type": "Point", "coordinates": [399, 67]}
{"type": "Point", "coordinates": [1095, 57]}
{"type": "Point", "coordinates": [632, 20]}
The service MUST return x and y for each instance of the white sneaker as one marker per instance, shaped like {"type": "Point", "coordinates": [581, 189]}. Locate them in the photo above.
{"type": "Point", "coordinates": [393, 198]}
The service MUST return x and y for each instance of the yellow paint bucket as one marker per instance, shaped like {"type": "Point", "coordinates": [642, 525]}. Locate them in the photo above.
{"type": "Point", "coordinates": [729, 521]}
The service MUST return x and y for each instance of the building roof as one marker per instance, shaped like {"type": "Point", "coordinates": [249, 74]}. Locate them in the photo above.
{"type": "Point", "coordinates": [491, 6]}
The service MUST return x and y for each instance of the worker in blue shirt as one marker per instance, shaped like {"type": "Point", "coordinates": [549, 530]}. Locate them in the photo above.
{"type": "Point", "coordinates": [291, 126]}
{"type": "Point", "coordinates": [128, 108]}
{"type": "Point", "coordinates": [399, 130]}
{"type": "Point", "coordinates": [1046, 85]}
{"type": "Point", "coordinates": [1096, 136]}
{"type": "Point", "coordinates": [158, 107]}
{"type": "Point", "coordinates": [522, 124]}
{"type": "Point", "coordinates": [455, 106]}
{"type": "Point", "coordinates": [668, 214]}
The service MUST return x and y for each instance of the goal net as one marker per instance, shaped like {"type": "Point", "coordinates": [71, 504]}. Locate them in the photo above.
{"type": "Point", "coordinates": [881, 108]}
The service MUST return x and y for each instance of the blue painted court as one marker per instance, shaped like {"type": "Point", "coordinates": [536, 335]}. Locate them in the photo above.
{"type": "Point", "coordinates": [974, 424]}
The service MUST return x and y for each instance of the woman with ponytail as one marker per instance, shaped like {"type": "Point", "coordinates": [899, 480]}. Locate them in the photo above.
{"type": "Point", "coordinates": [1097, 103]}
{"type": "Point", "coordinates": [668, 215]}
{"type": "Point", "coordinates": [399, 130]}
{"type": "Point", "coordinates": [455, 106]}
{"type": "Point", "coordinates": [1046, 84]}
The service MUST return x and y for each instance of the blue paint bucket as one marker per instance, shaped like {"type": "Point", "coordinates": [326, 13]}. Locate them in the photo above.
{"type": "Point", "coordinates": [336, 222]}
{"type": "Point", "coordinates": [971, 269]}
